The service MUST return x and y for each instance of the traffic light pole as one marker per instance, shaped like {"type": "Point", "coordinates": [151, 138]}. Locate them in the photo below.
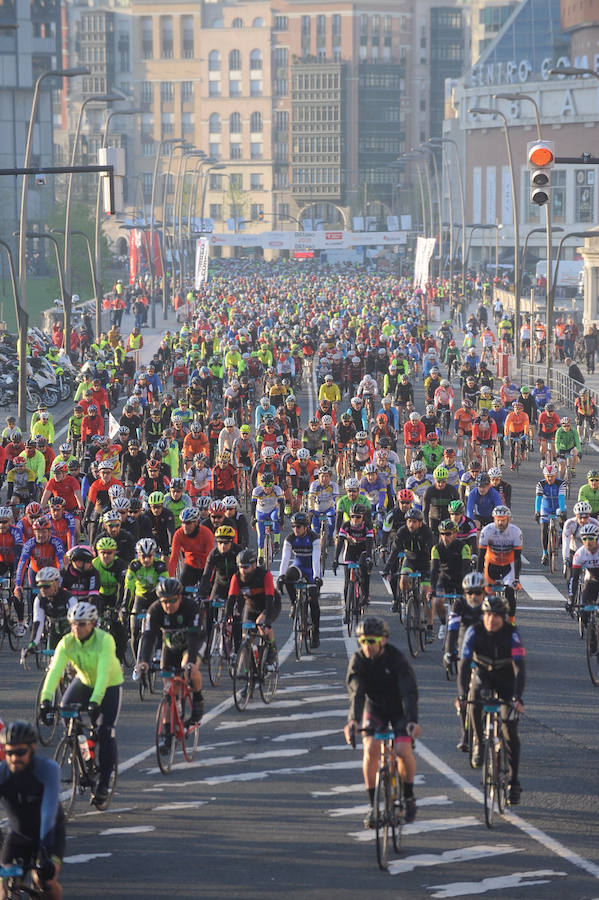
{"type": "Point", "coordinates": [549, 294]}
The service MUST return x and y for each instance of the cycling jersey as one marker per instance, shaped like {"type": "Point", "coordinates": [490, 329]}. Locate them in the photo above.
{"type": "Point", "coordinates": [266, 503]}
{"type": "Point", "coordinates": [499, 547]}
{"type": "Point", "coordinates": [484, 431]}
{"type": "Point", "coordinates": [38, 556]}
{"type": "Point", "coordinates": [516, 423]}
{"type": "Point", "coordinates": [550, 498]}
{"type": "Point", "coordinates": [303, 552]}
{"type": "Point", "coordinates": [571, 541]}
{"type": "Point", "coordinates": [321, 497]}
{"type": "Point", "coordinates": [449, 564]}
{"type": "Point", "coordinates": [419, 488]}
{"type": "Point", "coordinates": [345, 503]}
{"type": "Point", "coordinates": [376, 491]}
{"type": "Point", "coordinates": [141, 581]}
{"type": "Point", "coordinates": [111, 579]}
{"type": "Point", "coordinates": [587, 493]}
{"type": "Point", "coordinates": [480, 506]}
{"type": "Point", "coordinates": [413, 434]}
{"type": "Point", "coordinates": [95, 663]}
{"type": "Point", "coordinates": [565, 441]}
{"type": "Point", "coordinates": [464, 419]}
{"type": "Point", "coordinates": [548, 424]}
{"type": "Point", "coordinates": [195, 548]}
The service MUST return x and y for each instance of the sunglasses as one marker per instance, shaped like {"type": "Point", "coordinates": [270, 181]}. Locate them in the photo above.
{"type": "Point", "coordinates": [246, 565]}
{"type": "Point", "coordinates": [18, 751]}
{"type": "Point", "coordinates": [370, 640]}
{"type": "Point", "coordinates": [588, 538]}
{"type": "Point", "coordinates": [168, 601]}
{"type": "Point", "coordinates": [477, 593]}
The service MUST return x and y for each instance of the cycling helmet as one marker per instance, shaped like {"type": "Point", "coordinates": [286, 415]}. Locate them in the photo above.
{"type": "Point", "coordinates": [502, 510]}
{"type": "Point", "coordinates": [405, 496]}
{"type": "Point", "coordinates": [121, 504]}
{"type": "Point", "coordinates": [168, 587]}
{"type": "Point", "coordinates": [327, 420]}
{"type": "Point", "coordinates": [374, 626]}
{"type": "Point", "coordinates": [303, 453]}
{"type": "Point", "coordinates": [357, 509]}
{"type": "Point", "coordinates": [47, 575]}
{"type": "Point", "coordinates": [370, 469]}
{"type": "Point", "coordinates": [455, 506]}
{"type": "Point", "coordinates": [566, 421]}
{"type": "Point", "coordinates": [56, 501]}
{"type": "Point", "coordinates": [246, 558]}
{"type": "Point", "coordinates": [156, 498]}
{"type": "Point", "coordinates": [146, 547]}
{"type": "Point", "coordinates": [415, 514]}
{"type": "Point", "coordinates": [113, 515]}
{"type": "Point", "coordinates": [299, 518]}
{"type": "Point", "coordinates": [33, 509]}
{"type": "Point", "coordinates": [525, 389]}
{"type": "Point", "coordinates": [549, 470]}
{"type": "Point", "coordinates": [5, 514]}
{"type": "Point", "coordinates": [447, 527]}
{"type": "Point", "coordinates": [229, 422]}
{"type": "Point", "coordinates": [549, 407]}
{"type": "Point", "coordinates": [494, 472]}
{"type": "Point", "coordinates": [217, 506]}
{"type": "Point", "coordinates": [65, 448]}
{"type": "Point", "coordinates": [414, 417]}
{"type": "Point", "coordinates": [483, 479]}
{"type": "Point", "coordinates": [245, 429]}
{"type": "Point", "coordinates": [177, 484]}
{"type": "Point", "coordinates": [106, 543]}
{"type": "Point", "coordinates": [124, 431]}
{"type": "Point", "coordinates": [589, 530]}
{"type": "Point", "coordinates": [352, 484]}
{"type": "Point", "coordinates": [266, 479]}
{"type": "Point", "coordinates": [41, 522]}
{"type": "Point", "coordinates": [191, 513]}
{"type": "Point", "coordinates": [475, 464]}
{"type": "Point", "coordinates": [430, 408]}
{"type": "Point", "coordinates": [473, 581]}
{"type": "Point", "coordinates": [201, 503]}
{"type": "Point", "coordinates": [83, 612]}
{"type": "Point", "coordinates": [441, 473]}
{"type": "Point", "coordinates": [196, 427]}
{"type": "Point", "coordinates": [230, 502]}
{"type": "Point", "coordinates": [92, 409]}
{"type": "Point", "coordinates": [267, 453]}
{"type": "Point", "coordinates": [116, 490]}
{"type": "Point", "coordinates": [582, 508]}
{"type": "Point", "coordinates": [361, 436]}
{"type": "Point", "coordinates": [417, 466]}
{"type": "Point", "coordinates": [106, 464]}
{"type": "Point", "coordinates": [224, 532]}
{"type": "Point", "coordinates": [18, 733]}
{"type": "Point", "coordinates": [494, 604]}
{"type": "Point", "coordinates": [162, 445]}
{"type": "Point", "coordinates": [592, 473]}
{"type": "Point", "coordinates": [60, 467]}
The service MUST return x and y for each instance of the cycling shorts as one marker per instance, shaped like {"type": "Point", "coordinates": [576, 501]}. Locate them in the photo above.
{"type": "Point", "coordinates": [425, 575]}
{"type": "Point", "coordinates": [376, 719]}
{"type": "Point", "coordinates": [488, 442]}
{"type": "Point", "coordinates": [21, 847]}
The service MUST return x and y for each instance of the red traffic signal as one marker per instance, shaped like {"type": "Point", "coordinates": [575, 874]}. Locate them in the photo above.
{"type": "Point", "coordinates": [541, 154]}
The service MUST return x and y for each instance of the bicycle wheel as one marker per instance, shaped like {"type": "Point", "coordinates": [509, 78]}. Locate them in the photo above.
{"type": "Point", "coordinates": [592, 648]}
{"type": "Point", "coordinates": [45, 733]}
{"type": "Point", "coordinates": [358, 604]}
{"type": "Point", "coordinates": [268, 550]}
{"type": "Point", "coordinates": [489, 781]}
{"type": "Point", "coordinates": [68, 763]}
{"type": "Point", "coordinates": [349, 606]}
{"type": "Point", "coordinates": [16, 632]}
{"type": "Point", "coordinates": [269, 673]}
{"type": "Point", "coordinates": [397, 810]}
{"type": "Point", "coordinates": [413, 627]}
{"type": "Point", "coordinates": [383, 803]}
{"type": "Point", "coordinates": [215, 659]}
{"type": "Point", "coordinates": [324, 547]}
{"type": "Point", "coordinates": [191, 733]}
{"type": "Point", "coordinates": [502, 776]}
{"type": "Point", "coordinates": [111, 787]}
{"type": "Point", "coordinates": [165, 739]}
{"type": "Point", "coordinates": [422, 620]}
{"type": "Point", "coordinates": [299, 623]}
{"type": "Point", "coordinates": [552, 547]}
{"type": "Point", "coordinates": [242, 677]}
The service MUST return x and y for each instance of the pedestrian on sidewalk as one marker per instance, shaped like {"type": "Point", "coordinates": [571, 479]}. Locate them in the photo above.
{"type": "Point", "coordinates": [590, 348]}
{"type": "Point", "coordinates": [573, 371]}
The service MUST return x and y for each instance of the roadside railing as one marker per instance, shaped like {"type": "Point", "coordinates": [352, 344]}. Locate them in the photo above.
{"type": "Point", "coordinates": [564, 390]}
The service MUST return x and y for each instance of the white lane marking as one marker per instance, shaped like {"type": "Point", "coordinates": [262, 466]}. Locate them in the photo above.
{"type": "Point", "coordinates": [182, 804]}
{"type": "Point", "coordinates": [99, 812]}
{"type": "Point", "coordinates": [266, 773]}
{"type": "Point", "coordinates": [354, 788]}
{"type": "Point", "coordinates": [131, 829]}
{"type": "Point", "coordinates": [261, 720]}
{"type": "Point", "coordinates": [535, 608]}
{"type": "Point", "coordinates": [524, 559]}
{"type": "Point", "coordinates": [540, 588]}
{"type": "Point", "coordinates": [84, 857]}
{"type": "Point", "coordinates": [532, 831]}
{"type": "Point", "coordinates": [331, 618]}
{"type": "Point", "coordinates": [594, 446]}
{"type": "Point", "coordinates": [304, 735]}
{"type": "Point", "coordinates": [315, 673]}
{"type": "Point", "coordinates": [233, 760]}
{"type": "Point", "coordinates": [330, 628]}
{"type": "Point", "coordinates": [499, 883]}
{"type": "Point", "coordinates": [421, 827]}
{"type": "Point", "coordinates": [152, 790]}
{"type": "Point", "coordinates": [463, 854]}
{"type": "Point", "coordinates": [298, 701]}
{"type": "Point", "coordinates": [298, 688]}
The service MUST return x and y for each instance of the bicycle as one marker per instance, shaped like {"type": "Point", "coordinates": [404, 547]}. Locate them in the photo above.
{"type": "Point", "coordinates": [147, 681]}
{"type": "Point", "coordinates": [445, 420]}
{"type": "Point", "coordinates": [302, 625]}
{"type": "Point", "coordinates": [220, 644]}
{"type": "Point", "coordinates": [172, 721]}
{"type": "Point", "coordinates": [416, 619]}
{"type": "Point", "coordinates": [586, 431]}
{"type": "Point", "coordinates": [10, 627]}
{"type": "Point", "coordinates": [518, 453]}
{"type": "Point", "coordinates": [324, 541]}
{"type": "Point", "coordinates": [354, 600]}
{"type": "Point", "coordinates": [592, 642]}
{"type": "Point", "coordinates": [495, 767]}
{"type": "Point", "coordinates": [13, 875]}
{"type": "Point", "coordinates": [76, 757]}
{"type": "Point", "coordinates": [553, 542]}
{"type": "Point", "coordinates": [268, 548]}
{"type": "Point", "coordinates": [46, 733]}
{"type": "Point", "coordinates": [252, 667]}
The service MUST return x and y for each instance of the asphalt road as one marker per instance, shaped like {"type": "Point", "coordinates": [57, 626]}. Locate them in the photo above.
{"type": "Point", "coordinates": [273, 803]}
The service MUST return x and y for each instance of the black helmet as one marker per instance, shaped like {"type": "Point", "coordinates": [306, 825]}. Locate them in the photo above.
{"type": "Point", "coordinates": [293, 574]}
{"type": "Point", "coordinates": [495, 604]}
{"type": "Point", "coordinates": [18, 733]}
{"type": "Point", "coordinates": [169, 587]}
{"type": "Point", "coordinates": [246, 558]}
{"type": "Point", "coordinates": [81, 554]}
{"type": "Point", "coordinates": [372, 625]}
{"type": "Point", "coordinates": [177, 484]}
{"type": "Point", "coordinates": [299, 518]}
{"type": "Point", "coordinates": [357, 509]}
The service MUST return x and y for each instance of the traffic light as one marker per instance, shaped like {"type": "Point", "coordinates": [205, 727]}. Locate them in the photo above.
{"type": "Point", "coordinates": [541, 159]}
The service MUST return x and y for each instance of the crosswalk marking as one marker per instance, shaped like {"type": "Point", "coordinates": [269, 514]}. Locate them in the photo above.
{"type": "Point", "coordinates": [462, 854]}
{"type": "Point", "coordinates": [499, 883]}
{"type": "Point", "coordinates": [422, 827]}
{"type": "Point", "coordinates": [538, 587]}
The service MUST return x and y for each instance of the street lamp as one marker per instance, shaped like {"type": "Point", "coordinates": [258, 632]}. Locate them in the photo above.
{"type": "Point", "coordinates": [44, 235]}
{"type": "Point", "coordinates": [486, 111]}
{"type": "Point", "coordinates": [161, 145]}
{"type": "Point", "coordinates": [91, 267]}
{"type": "Point", "coordinates": [573, 70]}
{"type": "Point", "coordinates": [439, 215]}
{"type": "Point", "coordinates": [416, 159]}
{"type": "Point", "coordinates": [462, 203]}
{"type": "Point", "coordinates": [556, 229]}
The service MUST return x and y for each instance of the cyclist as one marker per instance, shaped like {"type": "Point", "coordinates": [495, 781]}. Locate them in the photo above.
{"type": "Point", "coordinates": [396, 518]}
{"type": "Point", "coordinates": [30, 791]}
{"type": "Point", "coordinates": [194, 541]}
{"type": "Point", "coordinates": [111, 570]}
{"type": "Point", "coordinates": [549, 423]}
{"type": "Point", "coordinates": [454, 469]}
{"type": "Point", "coordinates": [437, 498]}
{"type": "Point", "coordinates": [500, 554]}
{"type": "Point", "coordinates": [586, 558]}
{"type": "Point", "coordinates": [482, 500]}
{"type": "Point", "coordinates": [176, 500]}
{"type": "Point", "coordinates": [268, 502]}
{"type": "Point", "coordinates": [374, 484]}
{"type": "Point", "coordinates": [162, 528]}
{"type": "Point", "coordinates": [300, 558]}
{"type": "Point", "coordinates": [382, 690]}
{"type": "Point", "coordinates": [221, 564]}
{"type": "Point", "coordinates": [484, 437]}
{"type": "Point", "coordinates": [516, 428]}
{"type": "Point", "coordinates": [443, 400]}
{"type": "Point", "coordinates": [571, 540]}
{"type": "Point", "coordinates": [466, 533]}
{"type": "Point", "coordinates": [567, 443]}
{"type": "Point", "coordinates": [352, 495]}
{"type": "Point", "coordinates": [413, 543]}
{"type": "Point", "coordinates": [98, 685]}
{"type": "Point", "coordinates": [322, 499]}
{"type": "Point", "coordinates": [465, 611]}
{"type": "Point", "coordinates": [252, 594]}
{"type": "Point", "coordinates": [65, 486]}
{"type": "Point", "coordinates": [414, 436]}
{"type": "Point", "coordinates": [112, 526]}
{"type": "Point", "coordinates": [40, 551]}
{"type": "Point", "coordinates": [503, 487]}
{"type": "Point", "coordinates": [586, 409]}
{"type": "Point", "coordinates": [418, 482]}
{"type": "Point", "coordinates": [431, 452]}
{"type": "Point", "coordinates": [175, 619]}
{"type": "Point", "coordinates": [450, 561]}
{"type": "Point", "coordinates": [141, 578]}
{"type": "Point", "coordinates": [493, 659]}
{"type": "Point", "coordinates": [550, 500]}
{"type": "Point", "coordinates": [52, 604]}
{"type": "Point", "coordinates": [356, 539]}
{"type": "Point", "coordinates": [590, 491]}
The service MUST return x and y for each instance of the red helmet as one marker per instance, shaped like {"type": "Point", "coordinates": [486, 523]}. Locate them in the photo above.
{"type": "Point", "coordinates": [381, 418]}
{"type": "Point", "coordinates": [432, 436]}
{"type": "Point", "coordinates": [42, 522]}
{"type": "Point", "coordinates": [295, 444]}
{"type": "Point", "coordinates": [405, 496]}
{"type": "Point", "coordinates": [32, 510]}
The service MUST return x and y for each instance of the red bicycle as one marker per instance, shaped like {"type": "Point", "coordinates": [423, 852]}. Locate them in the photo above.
{"type": "Point", "coordinates": [172, 721]}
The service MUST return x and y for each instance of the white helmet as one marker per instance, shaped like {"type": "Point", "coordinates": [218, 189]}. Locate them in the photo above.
{"type": "Point", "coordinates": [267, 453]}
{"type": "Point", "coordinates": [582, 508]}
{"type": "Point", "coordinates": [229, 423]}
{"type": "Point", "coordinates": [83, 612]}
{"type": "Point", "coordinates": [303, 453]}
{"type": "Point", "coordinates": [47, 574]}
{"type": "Point", "coordinates": [414, 417]}
{"type": "Point", "coordinates": [352, 484]}
{"type": "Point", "coordinates": [494, 472]}
{"type": "Point", "coordinates": [146, 546]}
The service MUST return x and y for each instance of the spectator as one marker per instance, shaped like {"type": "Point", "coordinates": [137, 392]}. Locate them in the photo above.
{"type": "Point", "coordinates": [574, 371]}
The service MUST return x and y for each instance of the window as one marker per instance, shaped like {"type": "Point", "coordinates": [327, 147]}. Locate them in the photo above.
{"type": "Point", "coordinates": [235, 123]}
{"type": "Point", "coordinates": [237, 23]}
{"type": "Point", "coordinates": [256, 150]}
{"type": "Point", "coordinates": [234, 61]}
{"type": "Point", "coordinates": [214, 124]}
{"type": "Point", "coordinates": [147, 41]}
{"type": "Point", "coordinates": [282, 151]}
{"type": "Point", "coordinates": [215, 181]}
{"type": "Point", "coordinates": [256, 122]}
{"type": "Point", "coordinates": [187, 36]}
{"type": "Point", "coordinates": [255, 87]}
{"type": "Point", "coordinates": [584, 180]}
{"type": "Point", "coordinates": [305, 26]}
{"type": "Point", "coordinates": [146, 180]}
{"type": "Point", "coordinates": [147, 92]}
{"type": "Point", "coordinates": [283, 210]}
{"type": "Point", "coordinates": [147, 123]}
{"type": "Point", "coordinates": [281, 87]}
{"type": "Point", "coordinates": [235, 151]}
{"type": "Point", "coordinates": [186, 91]}
{"type": "Point", "coordinates": [148, 148]}
{"type": "Point", "coordinates": [281, 120]}
{"type": "Point", "coordinates": [167, 91]}
{"type": "Point", "coordinates": [336, 25]}
{"type": "Point", "coordinates": [124, 56]}
{"type": "Point", "coordinates": [258, 22]}
{"type": "Point", "coordinates": [281, 23]}
{"type": "Point", "coordinates": [236, 210]}
{"type": "Point", "coordinates": [168, 124]}
{"type": "Point", "coordinates": [256, 211]}
{"type": "Point", "coordinates": [281, 57]}
{"type": "Point", "coordinates": [214, 150]}
{"type": "Point", "coordinates": [281, 179]}
{"type": "Point", "coordinates": [216, 211]}
{"type": "Point", "coordinates": [321, 28]}
{"type": "Point", "coordinates": [256, 181]}
{"type": "Point", "coordinates": [236, 181]}
{"type": "Point", "coordinates": [214, 61]}
{"type": "Point", "coordinates": [558, 196]}
{"type": "Point", "coordinates": [166, 37]}
{"type": "Point", "coordinates": [188, 122]}
{"type": "Point", "coordinates": [234, 88]}
{"type": "Point", "coordinates": [255, 60]}
{"type": "Point", "coordinates": [214, 88]}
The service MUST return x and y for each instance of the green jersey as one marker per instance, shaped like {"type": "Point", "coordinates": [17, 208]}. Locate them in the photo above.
{"type": "Point", "coordinates": [141, 581]}
{"type": "Point", "coordinates": [565, 441]}
{"type": "Point", "coordinates": [345, 503]}
{"type": "Point", "coordinates": [95, 662]}
{"type": "Point", "coordinates": [587, 493]}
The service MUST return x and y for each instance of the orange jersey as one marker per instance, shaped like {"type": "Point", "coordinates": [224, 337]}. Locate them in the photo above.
{"type": "Point", "coordinates": [464, 419]}
{"type": "Point", "coordinates": [516, 423]}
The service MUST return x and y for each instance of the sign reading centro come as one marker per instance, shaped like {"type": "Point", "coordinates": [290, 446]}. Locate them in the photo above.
{"type": "Point", "coordinates": [520, 71]}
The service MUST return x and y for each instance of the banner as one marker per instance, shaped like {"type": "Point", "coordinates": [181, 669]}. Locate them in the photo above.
{"type": "Point", "coordinates": [310, 240]}
{"type": "Point", "coordinates": [202, 257]}
{"type": "Point", "coordinates": [424, 252]}
{"type": "Point", "coordinates": [113, 426]}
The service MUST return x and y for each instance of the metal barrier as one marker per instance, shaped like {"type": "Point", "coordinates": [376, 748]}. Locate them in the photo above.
{"type": "Point", "coordinates": [564, 390]}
